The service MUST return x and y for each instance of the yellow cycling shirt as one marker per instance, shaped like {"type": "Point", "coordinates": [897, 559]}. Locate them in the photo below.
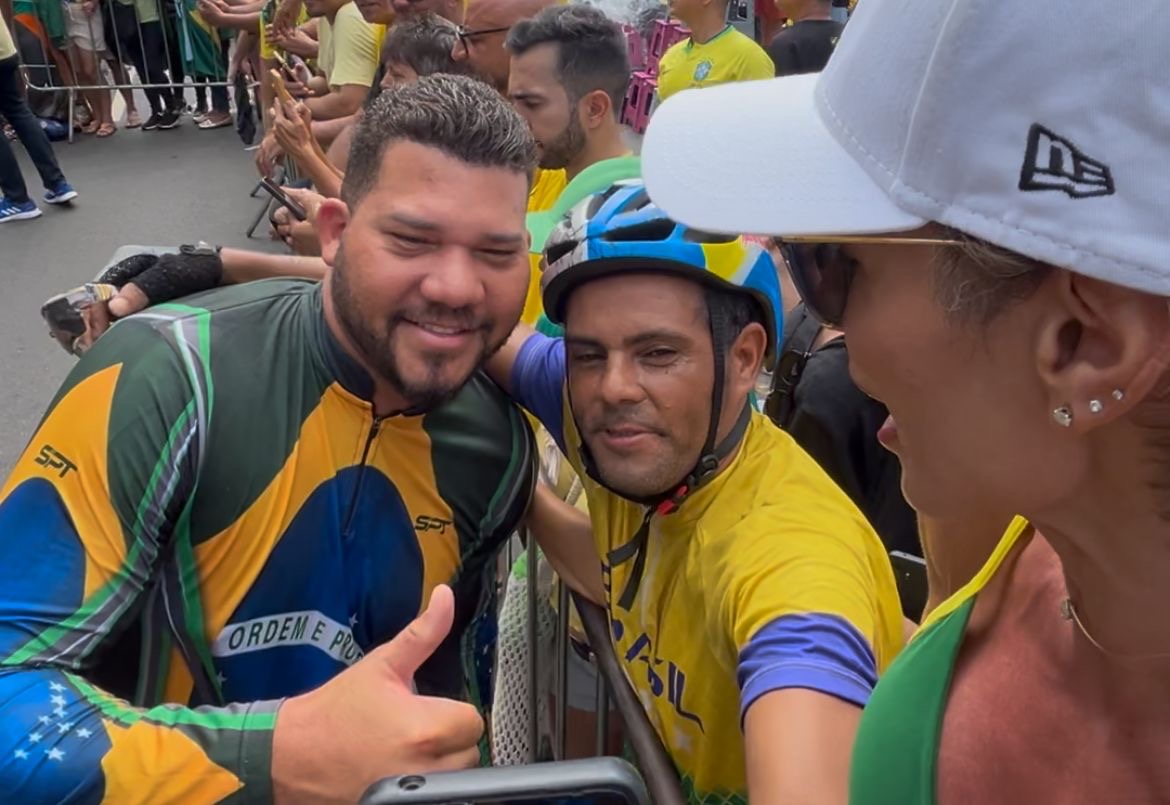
{"type": "Point", "coordinates": [766, 578]}
{"type": "Point", "coordinates": [728, 56]}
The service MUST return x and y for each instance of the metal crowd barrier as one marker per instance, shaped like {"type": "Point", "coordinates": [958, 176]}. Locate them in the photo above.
{"type": "Point", "coordinates": [655, 765]}
{"type": "Point", "coordinates": [178, 34]}
{"type": "Point", "coordinates": [657, 769]}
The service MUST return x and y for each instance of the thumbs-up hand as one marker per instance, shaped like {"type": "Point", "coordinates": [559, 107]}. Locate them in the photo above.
{"type": "Point", "coordinates": [366, 723]}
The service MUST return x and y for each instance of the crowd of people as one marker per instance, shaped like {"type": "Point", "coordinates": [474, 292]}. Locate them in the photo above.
{"type": "Point", "coordinates": [327, 53]}
{"type": "Point", "coordinates": [741, 403]}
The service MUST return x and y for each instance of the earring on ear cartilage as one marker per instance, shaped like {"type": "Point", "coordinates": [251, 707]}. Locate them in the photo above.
{"type": "Point", "coordinates": [1118, 395]}
{"type": "Point", "coordinates": [1095, 407]}
{"type": "Point", "coordinates": [1062, 416]}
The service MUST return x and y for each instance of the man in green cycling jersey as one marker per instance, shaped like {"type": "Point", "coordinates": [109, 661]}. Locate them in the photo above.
{"type": "Point", "coordinates": [235, 502]}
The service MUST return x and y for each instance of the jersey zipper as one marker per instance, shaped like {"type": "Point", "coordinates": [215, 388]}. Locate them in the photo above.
{"type": "Point", "coordinates": [371, 435]}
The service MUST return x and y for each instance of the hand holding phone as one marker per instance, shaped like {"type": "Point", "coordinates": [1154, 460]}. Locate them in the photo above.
{"type": "Point", "coordinates": [283, 199]}
{"type": "Point", "coordinates": [567, 780]}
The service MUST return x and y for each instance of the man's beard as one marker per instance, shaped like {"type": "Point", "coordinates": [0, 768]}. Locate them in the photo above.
{"type": "Point", "coordinates": [565, 148]}
{"type": "Point", "coordinates": [378, 349]}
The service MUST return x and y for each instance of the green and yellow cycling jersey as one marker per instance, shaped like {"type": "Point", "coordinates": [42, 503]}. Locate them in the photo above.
{"type": "Point", "coordinates": [210, 513]}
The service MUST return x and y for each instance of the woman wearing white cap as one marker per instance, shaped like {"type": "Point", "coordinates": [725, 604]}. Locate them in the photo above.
{"type": "Point", "coordinates": [979, 193]}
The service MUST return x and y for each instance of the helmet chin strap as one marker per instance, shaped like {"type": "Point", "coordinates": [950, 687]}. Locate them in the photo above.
{"type": "Point", "coordinates": [669, 501]}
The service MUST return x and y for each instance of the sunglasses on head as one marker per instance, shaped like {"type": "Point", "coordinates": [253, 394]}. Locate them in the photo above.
{"type": "Point", "coordinates": [823, 273]}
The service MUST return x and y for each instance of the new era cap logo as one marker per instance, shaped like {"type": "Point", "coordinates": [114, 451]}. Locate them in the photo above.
{"type": "Point", "coordinates": [1054, 163]}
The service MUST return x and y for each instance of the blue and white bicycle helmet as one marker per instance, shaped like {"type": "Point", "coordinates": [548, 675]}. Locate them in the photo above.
{"type": "Point", "coordinates": [621, 229]}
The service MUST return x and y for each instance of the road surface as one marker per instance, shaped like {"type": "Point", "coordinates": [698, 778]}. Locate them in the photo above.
{"type": "Point", "coordinates": [165, 187]}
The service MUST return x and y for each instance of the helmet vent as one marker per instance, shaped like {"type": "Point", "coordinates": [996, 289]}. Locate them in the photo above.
{"type": "Point", "coordinates": [556, 251]}
{"type": "Point", "coordinates": [697, 236]}
{"type": "Point", "coordinates": [599, 199]}
{"type": "Point", "coordinates": [655, 230]}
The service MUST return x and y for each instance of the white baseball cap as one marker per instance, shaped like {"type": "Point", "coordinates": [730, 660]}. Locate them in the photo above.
{"type": "Point", "coordinates": [1042, 127]}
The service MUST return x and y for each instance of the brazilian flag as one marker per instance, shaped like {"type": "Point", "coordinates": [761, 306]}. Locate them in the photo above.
{"type": "Point", "coordinates": [199, 44]}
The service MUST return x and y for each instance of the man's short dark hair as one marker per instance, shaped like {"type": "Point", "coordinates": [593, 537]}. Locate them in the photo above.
{"type": "Point", "coordinates": [735, 309]}
{"type": "Point", "coordinates": [423, 43]}
{"type": "Point", "coordinates": [592, 50]}
{"type": "Point", "coordinates": [459, 115]}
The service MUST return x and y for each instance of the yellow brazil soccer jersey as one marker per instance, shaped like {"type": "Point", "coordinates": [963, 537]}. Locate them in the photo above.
{"type": "Point", "coordinates": [766, 578]}
{"type": "Point", "coordinates": [728, 56]}
{"type": "Point", "coordinates": [546, 189]}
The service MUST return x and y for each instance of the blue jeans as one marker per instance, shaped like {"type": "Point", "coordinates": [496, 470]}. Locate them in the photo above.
{"type": "Point", "coordinates": [15, 110]}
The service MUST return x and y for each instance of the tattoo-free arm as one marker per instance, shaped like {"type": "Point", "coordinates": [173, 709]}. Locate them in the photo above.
{"type": "Point", "coordinates": [240, 265]}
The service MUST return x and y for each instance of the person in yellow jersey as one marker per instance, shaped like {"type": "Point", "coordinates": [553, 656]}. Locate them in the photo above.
{"type": "Point", "coordinates": [751, 604]}
{"type": "Point", "coordinates": [714, 53]}
{"type": "Point", "coordinates": [347, 58]}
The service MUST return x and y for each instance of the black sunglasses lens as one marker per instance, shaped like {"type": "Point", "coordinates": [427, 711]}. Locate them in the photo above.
{"type": "Point", "coordinates": [822, 275]}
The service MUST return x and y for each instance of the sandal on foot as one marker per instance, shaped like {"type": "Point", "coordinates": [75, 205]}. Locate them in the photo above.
{"type": "Point", "coordinates": [208, 123]}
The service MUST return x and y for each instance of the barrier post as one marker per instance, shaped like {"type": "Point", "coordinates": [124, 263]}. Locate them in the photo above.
{"type": "Point", "coordinates": [655, 764]}
{"type": "Point", "coordinates": [533, 726]}
{"type": "Point", "coordinates": [562, 644]}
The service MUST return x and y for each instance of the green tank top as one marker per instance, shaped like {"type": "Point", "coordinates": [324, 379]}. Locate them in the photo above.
{"type": "Point", "coordinates": [895, 757]}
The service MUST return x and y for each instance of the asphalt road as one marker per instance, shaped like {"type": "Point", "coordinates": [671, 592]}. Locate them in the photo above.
{"type": "Point", "coordinates": [158, 188]}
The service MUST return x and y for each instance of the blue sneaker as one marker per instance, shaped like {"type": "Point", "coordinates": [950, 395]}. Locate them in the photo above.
{"type": "Point", "coordinates": [11, 211]}
{"type": "Point", "coordinates": [60, 193]}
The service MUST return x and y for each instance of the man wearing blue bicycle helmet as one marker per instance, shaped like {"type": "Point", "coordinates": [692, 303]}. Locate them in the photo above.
{"type": "Point", "coordinates": [750, 602]}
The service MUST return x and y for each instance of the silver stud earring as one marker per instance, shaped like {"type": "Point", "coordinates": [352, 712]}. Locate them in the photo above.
{"type": "Point", "coordinates": [1062, 416]}
{"type": "Point", "coordinates": [1095, 407]}
{"type": "Point", "coordinates": [1118, 395]}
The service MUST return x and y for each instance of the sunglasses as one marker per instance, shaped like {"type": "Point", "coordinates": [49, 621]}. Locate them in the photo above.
{"type": "Point", "coordinates": [467, 35]}
{"type": "Point", "coordinates": [823, 273]}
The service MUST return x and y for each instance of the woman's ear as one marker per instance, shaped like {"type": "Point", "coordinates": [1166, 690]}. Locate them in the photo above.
{"type": "Point", "coordinates": [1102, 349]}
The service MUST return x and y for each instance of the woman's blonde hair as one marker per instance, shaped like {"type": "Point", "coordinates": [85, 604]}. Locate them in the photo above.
{"type": "Point", "coordinates": [976, 280]}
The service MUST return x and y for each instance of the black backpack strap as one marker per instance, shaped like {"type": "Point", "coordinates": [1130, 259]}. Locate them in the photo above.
{"type": "Point", "coordinates": [800, 338]}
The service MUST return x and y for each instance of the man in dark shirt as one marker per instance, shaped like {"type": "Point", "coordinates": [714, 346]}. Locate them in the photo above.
{"type": "Point", "coordinates": [836, 423]}
{"type": "Point", "coordinates": [806, 44]}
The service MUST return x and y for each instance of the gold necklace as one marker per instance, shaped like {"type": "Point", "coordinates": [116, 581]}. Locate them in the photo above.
{"type": "Point", "coordinates": [1068, 611]}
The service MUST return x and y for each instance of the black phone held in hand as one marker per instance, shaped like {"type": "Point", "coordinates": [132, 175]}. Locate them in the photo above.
{"type": "Point", "coordinates": [539, 782]}
{"type": "Point", "coordinates": [283, 199]}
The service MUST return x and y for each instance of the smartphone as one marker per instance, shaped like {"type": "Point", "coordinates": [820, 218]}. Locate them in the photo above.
{"type": "Point", "coordinates": [282, 93]}
{"type": "Point", "coordinates": [541, 782]}
{"type": "Point", "coordinates": [284, 65]}
{"type": "Point", "coordinates": [910, 574]}
{"type": "Point", "coordinates": [63, 312]}
{"type": "Point", "coordinates": [283, 199]}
